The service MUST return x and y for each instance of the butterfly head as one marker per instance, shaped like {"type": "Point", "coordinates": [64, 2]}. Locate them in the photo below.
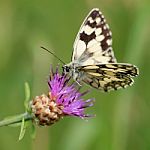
{"type": "Point", "coordinates": [66, 69]}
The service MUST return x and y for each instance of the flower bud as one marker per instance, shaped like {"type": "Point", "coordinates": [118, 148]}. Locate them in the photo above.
{"type": "Point", "coordinates": [45, 110]}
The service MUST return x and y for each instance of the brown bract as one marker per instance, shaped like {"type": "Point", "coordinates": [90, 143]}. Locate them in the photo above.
{"type": "Point", "coordinates": [45, 110]}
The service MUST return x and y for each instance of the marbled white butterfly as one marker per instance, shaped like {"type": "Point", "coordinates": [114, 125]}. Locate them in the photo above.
{"type": "Point", "coordinates": [93, 60]}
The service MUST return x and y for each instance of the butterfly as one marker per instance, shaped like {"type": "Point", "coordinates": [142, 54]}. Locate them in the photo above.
{"type": "Point", "coordinates": [93, 61]}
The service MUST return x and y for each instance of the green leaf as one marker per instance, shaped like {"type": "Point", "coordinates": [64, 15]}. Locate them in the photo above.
{"type": "Point", "coordinates": [22, 130]}
{"type": "Point", "coordinates": [33, 131]}
{"type": "Point", "coordinates": [15, 125]}
{"type": "Point", "coordinates": [27, 96]}
{"type": "Point", "coordinates": [27, 124]}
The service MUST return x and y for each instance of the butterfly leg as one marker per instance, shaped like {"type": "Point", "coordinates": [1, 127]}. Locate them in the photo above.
{"type": "Point", "coordinates": [78, 83]}
{"type": "Point", "coordinates": [76, 77]}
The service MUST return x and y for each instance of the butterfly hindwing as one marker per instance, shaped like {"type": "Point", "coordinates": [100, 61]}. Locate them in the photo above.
{"type": "Point", "coordinates": [108, 77]}
{"type": "Point", "coordinates": [93, 44]}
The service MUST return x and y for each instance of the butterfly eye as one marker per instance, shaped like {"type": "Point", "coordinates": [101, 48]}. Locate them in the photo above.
{"type": "Point", "coordinates": [66, 69]}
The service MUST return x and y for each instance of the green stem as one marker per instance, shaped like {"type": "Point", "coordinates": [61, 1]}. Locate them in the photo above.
{"type": "Point", "coordinates": [15, 119]}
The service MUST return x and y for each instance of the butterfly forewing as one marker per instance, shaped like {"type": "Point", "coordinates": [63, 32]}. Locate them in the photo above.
{"type": "Point", "coordinates": [108, 77]}
{"type": "Point", "coordinates": [93, 60]}
{"type": "Point", "coordinates": [93, 44]}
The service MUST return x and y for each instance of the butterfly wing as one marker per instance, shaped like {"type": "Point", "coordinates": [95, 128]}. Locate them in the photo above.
{"type": "Point", "coordinates": [93, 44]}
{"type": "Point", "coordinates": [111, 76]}
{"type": "Point", "coordinates": [93, 60]}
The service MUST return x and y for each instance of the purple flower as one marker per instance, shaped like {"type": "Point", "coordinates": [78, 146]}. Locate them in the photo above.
{"type": "Point", "coordinates": [63, 99]}
{"type": "Point", "coordinates": [67, 95]}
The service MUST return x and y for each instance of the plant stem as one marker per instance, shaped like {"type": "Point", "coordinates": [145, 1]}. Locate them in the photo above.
{"type": "Point", "coordinates": [15, 119]}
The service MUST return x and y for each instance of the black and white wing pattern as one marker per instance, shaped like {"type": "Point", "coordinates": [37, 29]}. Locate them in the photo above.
{"type": "Point", "coordinates": [93, 60]}
{"type": "Point", "coordinates": [111, 76]}
{"type": "Point", "coordinates": [93, 44]}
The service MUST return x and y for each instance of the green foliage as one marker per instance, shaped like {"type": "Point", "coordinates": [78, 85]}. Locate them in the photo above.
{"type": "Point", "coordinates": [22, 130]}
{"type": "Point", "coordinates": [27, 97]}
{"type": "Point", "coordinates": [122, 119]}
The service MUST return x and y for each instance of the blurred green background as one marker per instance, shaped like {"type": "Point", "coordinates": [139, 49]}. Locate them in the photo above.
{"type": "Point", "coordinates": [122, 119]}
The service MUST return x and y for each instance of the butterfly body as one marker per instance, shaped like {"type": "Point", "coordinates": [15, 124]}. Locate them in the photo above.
{"type": "Point", "coordinates": [93, 61]}
{"type": "Point", "coordinates": [73, 70]}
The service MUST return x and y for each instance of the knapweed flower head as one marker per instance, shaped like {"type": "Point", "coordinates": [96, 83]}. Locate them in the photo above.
{"type": "Point", "coordinates": [63, 99]}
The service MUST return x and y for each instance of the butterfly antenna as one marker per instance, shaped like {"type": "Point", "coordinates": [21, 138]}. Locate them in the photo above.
{"type": "Point", "coordinates": [53, 54]}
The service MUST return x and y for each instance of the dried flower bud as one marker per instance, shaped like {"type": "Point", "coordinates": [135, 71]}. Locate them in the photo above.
{"type": "Point", "coordinates": [45, 110]}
